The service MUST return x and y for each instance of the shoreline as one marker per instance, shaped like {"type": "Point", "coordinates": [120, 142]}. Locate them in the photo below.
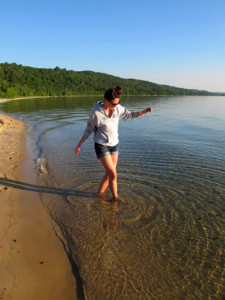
{"type": "Point", "coordinates": [37, 97]}
{"type": "Point", "coordinates": [3, 100]}
{"type": "Point", "coordinates": [33, 262]}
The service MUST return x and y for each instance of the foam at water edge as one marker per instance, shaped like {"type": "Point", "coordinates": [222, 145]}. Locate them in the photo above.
{"type": "Point", "coordinates": [41, 166]}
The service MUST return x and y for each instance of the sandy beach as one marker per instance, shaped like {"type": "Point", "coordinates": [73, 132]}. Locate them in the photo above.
{"type": "Point", "coordinates": [33, 262]}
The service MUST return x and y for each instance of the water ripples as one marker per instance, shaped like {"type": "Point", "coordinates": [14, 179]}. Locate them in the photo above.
{"type": "Point", "coordinates": [169, 241]}
{"type": "Point", "coordinates": [173, 225]}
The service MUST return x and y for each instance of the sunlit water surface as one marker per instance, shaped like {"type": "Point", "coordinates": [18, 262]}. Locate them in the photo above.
{"type": "Point", "coordinates": [169, 241]}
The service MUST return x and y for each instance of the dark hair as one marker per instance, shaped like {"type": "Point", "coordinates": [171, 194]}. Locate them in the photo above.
{"type": "Point", "coordinates": [114, 93]}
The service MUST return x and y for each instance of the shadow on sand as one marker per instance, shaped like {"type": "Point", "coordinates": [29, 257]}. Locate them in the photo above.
{"type": "Point", "coordinates": [55, 191]}
{"type": "Point", "coordinates": [43, 189]}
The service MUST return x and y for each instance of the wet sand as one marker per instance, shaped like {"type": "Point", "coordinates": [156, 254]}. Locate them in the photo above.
{"type": "Point", "coordinates": [33, 262]}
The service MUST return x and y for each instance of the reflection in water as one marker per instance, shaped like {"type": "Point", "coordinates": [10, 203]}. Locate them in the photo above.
{"type": "Point", "coordinates": [109, 211]}
{"type": "Point", "coordinates": [169, 241]}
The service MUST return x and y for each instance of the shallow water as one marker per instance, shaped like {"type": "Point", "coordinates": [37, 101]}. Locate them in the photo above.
{"type": "Point", "coordinates": [169, 241]}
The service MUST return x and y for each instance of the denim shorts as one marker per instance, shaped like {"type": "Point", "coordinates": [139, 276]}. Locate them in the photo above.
{"type": "Point", "coordinates": [102, 150]}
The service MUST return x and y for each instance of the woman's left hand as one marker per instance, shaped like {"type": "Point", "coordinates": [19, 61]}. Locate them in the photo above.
{"type": "Point", "coordinates": [147, 110]}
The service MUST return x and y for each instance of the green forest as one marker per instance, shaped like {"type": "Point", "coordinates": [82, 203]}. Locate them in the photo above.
{"type": "Point", "coordinates": [22, 81]}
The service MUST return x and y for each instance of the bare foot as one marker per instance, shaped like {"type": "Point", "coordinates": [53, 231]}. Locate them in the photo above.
{"type": "Point", "coordinates": [103, 196]}
{"type": "Point", "coordinates": [118, 199]}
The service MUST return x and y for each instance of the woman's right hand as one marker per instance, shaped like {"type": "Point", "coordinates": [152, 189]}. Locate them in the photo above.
{"type": "Point", "coordinates": [77, 150]}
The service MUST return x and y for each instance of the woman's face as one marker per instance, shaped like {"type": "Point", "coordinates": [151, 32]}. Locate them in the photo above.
{"type": "Point", "coordinates": [113, 103]}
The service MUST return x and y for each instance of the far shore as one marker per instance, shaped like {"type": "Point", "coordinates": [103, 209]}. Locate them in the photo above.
{"type": "Point", "coordinates": [33, 97]}
{"type": "Point", "coordinates": [100, 95]}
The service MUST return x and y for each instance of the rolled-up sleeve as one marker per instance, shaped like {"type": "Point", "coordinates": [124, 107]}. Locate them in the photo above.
{"type": "Point", "coordinates": [91, 125]}
{"type": "Point", "coordinates": [127, 115]}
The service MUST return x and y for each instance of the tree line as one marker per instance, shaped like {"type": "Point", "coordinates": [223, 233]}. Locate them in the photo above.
{"type": "Point", "coordinates": [22, 81]}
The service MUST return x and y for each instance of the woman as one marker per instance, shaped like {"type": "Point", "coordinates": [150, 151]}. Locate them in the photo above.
{"type": "Point", "coordinates": [103, 121]}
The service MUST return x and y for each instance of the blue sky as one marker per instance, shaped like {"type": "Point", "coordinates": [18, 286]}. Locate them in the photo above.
{"type": "Point", "coordinates": [179, 43]}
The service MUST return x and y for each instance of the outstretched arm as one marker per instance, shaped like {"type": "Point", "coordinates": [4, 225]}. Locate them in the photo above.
{"type": "Point", "coordinates": [145, 111]}
{"type": "Point", "coordinates": [128, 115]}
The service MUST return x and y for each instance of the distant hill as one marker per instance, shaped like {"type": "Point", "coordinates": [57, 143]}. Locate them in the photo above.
{"type": "Point", "coordinates": [21, 81]}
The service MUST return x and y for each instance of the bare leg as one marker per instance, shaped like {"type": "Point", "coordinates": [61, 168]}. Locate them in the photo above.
{"type": "Point", "coordinates": [103, 184]}
{"type": "Point", "coordinates": [109, 162]}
